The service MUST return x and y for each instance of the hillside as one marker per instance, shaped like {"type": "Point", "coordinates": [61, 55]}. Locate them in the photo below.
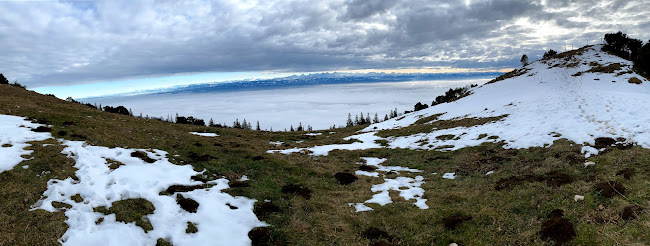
{"type": "Point", "coordinates": [553, 153]}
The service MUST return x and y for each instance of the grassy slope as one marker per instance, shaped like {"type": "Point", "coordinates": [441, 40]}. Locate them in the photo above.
{"type": "Point", "coordinates": [512, 216]}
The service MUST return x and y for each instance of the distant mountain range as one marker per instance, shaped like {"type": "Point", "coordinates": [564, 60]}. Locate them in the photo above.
{"type": "Point", "coordinates": [309, 79]}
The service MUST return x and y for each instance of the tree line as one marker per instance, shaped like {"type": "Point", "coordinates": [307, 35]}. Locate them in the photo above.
{"type": "Point", "coordinates": [631, 49]}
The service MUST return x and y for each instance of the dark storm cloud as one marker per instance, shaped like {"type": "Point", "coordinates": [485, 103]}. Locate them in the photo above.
{"type": "Point", "coordinates": [68, 42]}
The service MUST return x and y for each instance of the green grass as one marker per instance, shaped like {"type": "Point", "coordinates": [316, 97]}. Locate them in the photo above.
{"type": "Point", "coordinates": [511, 216]}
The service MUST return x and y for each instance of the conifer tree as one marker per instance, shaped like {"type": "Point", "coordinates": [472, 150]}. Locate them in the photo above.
{"type": "Point", "coordinates": [244, 125]}
{"type": "Point", "coordinates": [349, 122]}
{"type": "Point", "coordinates": [292, 128]}
{"type": "Point", "coordinates": [236, 124]}
{"type": "Point", "coordinates": [211, 122]}
{"type": "Point", "coordinates": [300, 129]}
{"type": "Point", "coordinates": [376, 119]}
{"type": "Point", "coordinates": [3, 80]}
{"type": "Point", "coordinates": [258, 126]}
{"type": "Point", "coordinates": [368, 118]}
{"type": "Point", "coordinates": [386, 116]}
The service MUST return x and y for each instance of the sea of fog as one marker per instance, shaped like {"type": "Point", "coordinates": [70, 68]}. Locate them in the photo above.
{"type": "Point", "coordinates": [320, 106]}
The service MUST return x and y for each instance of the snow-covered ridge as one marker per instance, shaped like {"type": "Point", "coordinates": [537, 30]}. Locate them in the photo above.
{"type": "Point", "coordinates": [563, 97]}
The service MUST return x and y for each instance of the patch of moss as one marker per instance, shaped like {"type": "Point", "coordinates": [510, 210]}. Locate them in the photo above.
{"type": "Point", "coordinates": [131, 210]}
{"type": "Point", "coordinates": [445, 137]}
{"type": "Point", "coordinates": [77, 198]}
{"type": "Point", "coordinates": [191, 228]}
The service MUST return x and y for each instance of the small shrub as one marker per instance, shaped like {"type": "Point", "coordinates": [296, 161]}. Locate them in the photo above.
{"type": "Point", "coordinates": [634, 80]}
{"type": "Point", "coordinates": [549, 54]}
{"type": "Point", "coordinates": [117, 110]}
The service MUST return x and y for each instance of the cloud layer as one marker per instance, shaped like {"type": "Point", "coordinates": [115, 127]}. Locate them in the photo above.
{"type": "Point", "coordinates": [48, 43]}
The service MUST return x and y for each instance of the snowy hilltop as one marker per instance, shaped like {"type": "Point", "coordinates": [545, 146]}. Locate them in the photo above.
{"type": "Point", "coordinates": [584, 96]}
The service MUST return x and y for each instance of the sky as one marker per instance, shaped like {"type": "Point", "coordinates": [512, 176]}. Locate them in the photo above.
{"type": "Point", "coordinates": [51, 43]}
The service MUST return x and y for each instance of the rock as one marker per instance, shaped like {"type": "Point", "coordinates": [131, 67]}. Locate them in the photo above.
{"type": "Point", "coordinates": [578, 198]}
{"type": "Point", "coordinates": [589, 163]}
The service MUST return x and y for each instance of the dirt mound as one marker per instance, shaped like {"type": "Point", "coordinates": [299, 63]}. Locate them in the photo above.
{"type": "Point", "coordinates": [557, 178]}
{"type": "Point", "coordinates": [200, 178]}
{"type": "Point", "coordinates": [188, 204]}
{"type": "Point", "coordinates": [631, 212]}
{"type": "Point", "coordinates": [552, 178]}
{"type": "Point", "coordinates": [264, 209]}
{"type": "Point", "coordinates": [557, 228]}
{"type": "Point", "coordinates": [183, 188]}
{"type": "Point", "coordinates": [516, 180]}
{"type": "Point", "coordinates": [238, 184]}
{"type": "Point", "coordinates": [454, 221]}
{"type": "Point", "coordinates": [143, 156]}
{"type": "Point", "coordinates": [626, 173]}
{"type": "Point", "coordinates": [374, 233]}
{"type": "Point", "coordinates": [604, 142]}
{"type": "Point", "coordinates": [197, 157]}
{"type": "Point", "coordinates": [345, 178]}
{"type": "Point", "coordinates": [610, 189]}
{"type": "Point", "coordinates": [367, 168]}
{"type": "Point", "coordinates": [297, 190]}
{"type": "Point", "coordinates": [260, 236]}
{"type": "Point", "coordinates": [42, 129]}
{"type": "Point", "coordinates": [380, 243]}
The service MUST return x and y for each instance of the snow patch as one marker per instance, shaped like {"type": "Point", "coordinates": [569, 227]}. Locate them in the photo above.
{"type": "Point", "coordinates": [412, 191]}
{"type": "Point", "coordinates": [367, 142]}
{"type": "Point", "coordinates": [205, 134]}
{"type": "Point", "coordinates": [375, 162]}
{"type": "Point", "coordinates": [15, 133]}
{"type": "Point", "coordinates": [449, 176]}
{"type": "Point", "coordinates": [98, 185]}
{"type": "Point", "coordinates": [360, 207]}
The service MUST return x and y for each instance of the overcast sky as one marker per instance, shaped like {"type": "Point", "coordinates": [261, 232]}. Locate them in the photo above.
{"type": "Point", "coordinates": [47, 43]}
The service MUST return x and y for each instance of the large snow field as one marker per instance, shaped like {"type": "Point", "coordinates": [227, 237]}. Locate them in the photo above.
{"type": "Point", "coordinates": [320, 106]}
{"type": "Point", "coordinates": [545, 104]}
{"type": "Point", "coordinates": [221, 219]}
